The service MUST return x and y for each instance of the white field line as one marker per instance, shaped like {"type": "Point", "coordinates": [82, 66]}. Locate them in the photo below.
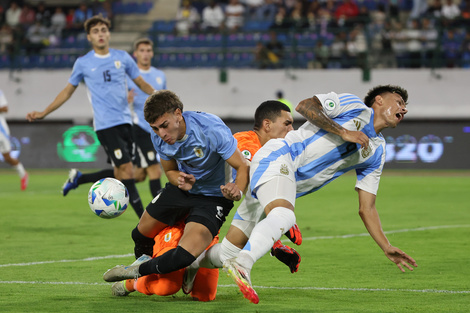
{"type": "Point", "coordinates": [309, 238]}
{"type": "Point", "coordinates": [261, 287]}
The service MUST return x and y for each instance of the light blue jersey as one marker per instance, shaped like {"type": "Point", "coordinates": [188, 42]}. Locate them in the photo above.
{"type": "Point", "coordinates": [105, 78]}
{"type": "Point", "coordinates": [202, 152]}
{"type": "Point", "coordinates": [313, 157]}
{"type": "Point", "coordinates": [157, 80]}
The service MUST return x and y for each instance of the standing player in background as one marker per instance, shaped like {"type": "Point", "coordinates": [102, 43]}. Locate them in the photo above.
{"type": "Point", "coordinates": [342, 133]}
{"type": "Point", "coordinates": [272, 120]}
{"type": "Point", "coordinates": [5, 145]}
{"type": "Point", "coordinates": [147, 161]}
{"type": "Point", "coordinates": [104, 71]}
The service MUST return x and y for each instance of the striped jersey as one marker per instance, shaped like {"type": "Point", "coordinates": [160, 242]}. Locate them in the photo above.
{"type": "Point", "coordinates": [105, 78]}
{"type": "Point", "coordinates": [313, 157]}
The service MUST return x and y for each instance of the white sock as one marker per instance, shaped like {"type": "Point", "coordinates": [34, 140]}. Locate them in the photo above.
{"type": "Point", "coordinates": [217, 254]}
{"type": "Point", "coordinates": [265, 234]}
{"type": "Point", "coordinates": [20, 169]}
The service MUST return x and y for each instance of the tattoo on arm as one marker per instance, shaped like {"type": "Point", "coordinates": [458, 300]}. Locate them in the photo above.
{"type": "Point", "coordinates": [312, 110]}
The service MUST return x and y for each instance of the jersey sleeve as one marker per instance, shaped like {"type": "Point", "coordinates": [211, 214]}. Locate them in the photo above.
{"type": "Point", "coordinates": [131, 67]}
{"type": "Point", "coordinates": [77, 73]}
{"type": "Point", "coordinates": [330, 103]}
{"type": "Point", "coordinates": [226, 143]}
{"type": "Point", "coordinates": [247, 144]}
{"type": "Point", "coordinates": [3, 99]}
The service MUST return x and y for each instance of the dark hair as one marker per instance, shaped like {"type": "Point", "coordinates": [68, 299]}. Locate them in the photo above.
{"type": "Point", "coordinates": [140, 41]}
{"type": "Point", "coordinates": [159, 103]}
{"type": "Point", "coordinates": [378, 90]}
{"type": "Point", "coordinates": [271, 110]}
{"type": "Point", "coordinates": [95, 20]}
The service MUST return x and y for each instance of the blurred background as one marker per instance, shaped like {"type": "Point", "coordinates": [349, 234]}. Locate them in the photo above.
{"type": "Point", "coordinates": [226, 57]}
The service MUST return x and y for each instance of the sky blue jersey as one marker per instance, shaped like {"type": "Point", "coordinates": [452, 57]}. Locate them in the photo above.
{"type": "Point", "coordinates": [313, 157]}
{"type": "Point", "coordinates": [202, 152]}
{"type": "Point", "coordinates": [157, 80]}
{"type": "Point", "coordinates": [105, 78]}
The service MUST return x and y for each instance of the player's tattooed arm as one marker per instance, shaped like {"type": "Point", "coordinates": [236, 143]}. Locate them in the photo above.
{"type": "Point", "coordinates": [312, 110]}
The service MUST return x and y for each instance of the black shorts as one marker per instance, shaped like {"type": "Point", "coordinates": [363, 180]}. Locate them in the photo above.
{"type": "Point", "coordinates": [174, 204]}
{"type": "Point", "coordinates": [118, 142]}
{"type": "Point", "coordinates": [146, 154]}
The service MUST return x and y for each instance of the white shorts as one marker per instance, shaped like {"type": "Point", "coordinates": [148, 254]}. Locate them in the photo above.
{"type": "Point", "coordinates": [5, 145]}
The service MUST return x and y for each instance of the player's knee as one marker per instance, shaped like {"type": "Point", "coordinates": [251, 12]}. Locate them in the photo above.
{"type": "Point", "coordinates": [285, 215]}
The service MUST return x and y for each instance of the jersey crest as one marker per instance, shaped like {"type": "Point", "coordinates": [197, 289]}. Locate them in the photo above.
{"type": "Point", "coordinates": [117, 64]}
{"type": "Point", "coordinates": [198, 152]}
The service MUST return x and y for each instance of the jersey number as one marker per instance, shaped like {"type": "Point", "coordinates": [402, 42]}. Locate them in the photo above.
{"type": "Point", "coordinates": [107, 76]}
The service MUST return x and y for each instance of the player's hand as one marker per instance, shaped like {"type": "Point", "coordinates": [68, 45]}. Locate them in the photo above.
{"type": "Point", "coordinates": [186, 181]}
{"type": "Point", "coordinates": [400, 258]}
{"type": "Point", "coordinates": [356, 137]}
{"type": "Point", "coordinates": [35, 115]}
{"type": "Point", "coordinates": [294, 235]}
{"type": "Point", "coordinates": [231, 191]}
{"type": "Point", "coordinates": [131, 96]}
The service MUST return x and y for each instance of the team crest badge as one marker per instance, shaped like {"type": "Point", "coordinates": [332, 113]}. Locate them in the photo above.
{"type": "Point", "coordinates": [198, 152]}
{"type": "Point", "coordinates": [284, 170]}
{"type": "Point", "coordinates": [159, 80]}
{"type": "Point", "coordinates": [329, 104]}
{"type": "Point", "coordinates": [118, 154]}
{"type": "Point", "coordinates": [117, 64]}
{"type": "Point", "coordinates": [167, 237]}
{"type": "Point", "coordinates": [151, 155]}
{"type": "Point", "coordinates": [247, 154]}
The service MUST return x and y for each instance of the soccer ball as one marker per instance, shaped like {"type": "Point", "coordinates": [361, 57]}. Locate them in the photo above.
{"type": "Point", "coordinates": [108, 198]}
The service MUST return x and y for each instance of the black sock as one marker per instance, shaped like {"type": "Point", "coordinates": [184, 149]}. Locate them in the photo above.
{"type": "Point", "coordinates": [142, 244]}
{"type": "Point", "coordinates": [155, 186]}
{"type": "Point", "coordinates": [93, 177]}
{"type": "Point", "coordinates": [170, 261]}
{"type": "Point", "coordinates": [134, 197]}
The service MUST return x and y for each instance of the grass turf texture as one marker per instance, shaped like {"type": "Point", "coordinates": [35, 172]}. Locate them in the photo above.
{"type": "Point", "coordinates": [428, 210]}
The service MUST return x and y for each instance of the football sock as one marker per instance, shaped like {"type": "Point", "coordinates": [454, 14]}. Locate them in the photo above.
{"type": "Point", "coordinates": [267, 232]}
{"type": "Point", "coordinates": [134, 197]}
{"type": "Point", "coordinates": [93, 177]}
{"type": "Point", "coordinates": [129, 285]}
{"type": "Point", "coordinates": [155, 186]}
{"type": "Point", "coordinates": [20, 169]}
{"type": "Point", "coordinates": [142, 244]}
{"type": "Point", "coordinates": [168, 262]}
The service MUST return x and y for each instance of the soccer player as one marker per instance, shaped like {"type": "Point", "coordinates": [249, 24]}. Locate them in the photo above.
{"type": "Point", "coordinates": [5, 145]}
{"type": "Point", "coordinates": [272, 120]}
{"type": "Point", "coordinates": [147, 161]}
{"type": "Point", "coordinates": [104, 71]}
{"type": "Point", "coordinates": [205, 284]}
{"type": "Point", "coordinates": [342, 133]}
{"type": "Point", "coordinates": [195, 150]}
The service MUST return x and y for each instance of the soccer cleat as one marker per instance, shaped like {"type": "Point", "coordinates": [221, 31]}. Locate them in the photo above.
{"type": "Point", "coordinates": [294, 235]}
{"type": "Point", "coordinates": [241, 276]}
{"type": "Point", "coordinates": [188, 279]}
{"type": "Point", "coordinates": [72, 181]}
{"type": "Point", "coordinates": [118, 289]}
{"type": "Point", "coordinates": [121, 272]}
{"type": "Point", "coordinates": [286, 255]}
{"type": "Point", "coordinates": [24, 181]}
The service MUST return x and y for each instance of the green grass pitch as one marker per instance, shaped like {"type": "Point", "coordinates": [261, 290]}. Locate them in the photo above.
{"type": "Point", "coordinates": [53, 251]}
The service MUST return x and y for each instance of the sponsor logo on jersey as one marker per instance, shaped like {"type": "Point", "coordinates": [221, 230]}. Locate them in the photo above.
{"type": "Point", "coordinates": [329, 104]}
{"type": "Point", "coordinates": [117, 64]}
{"type": "Point", "coordinates": [118, 154]}
{"type": "Point", "coordinates": [247, 154]}
{"type": "Point", "coordinates": [284, 170]}
{"type": "Point", "coordinates": [198, 152]}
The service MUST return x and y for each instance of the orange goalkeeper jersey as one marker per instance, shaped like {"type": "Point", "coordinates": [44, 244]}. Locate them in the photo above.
{"type": "Point", "coordinates": [248, 143]}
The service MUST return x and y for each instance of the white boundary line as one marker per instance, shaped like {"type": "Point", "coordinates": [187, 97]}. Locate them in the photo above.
{"type": "Point", "coordinates": [260, 287]}
{"type": "Point", "coordinates": [306, 239]}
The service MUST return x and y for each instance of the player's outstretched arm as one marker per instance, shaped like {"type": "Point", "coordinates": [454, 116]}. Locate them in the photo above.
{"type": "Point", "coordinates": [312, 110]}
{"type": "Point", "coordinates": [61, 98]}
{"type": "Point", "coordinates": [371, 219]}
{"type": "Point", "coordinates": [144, 86]}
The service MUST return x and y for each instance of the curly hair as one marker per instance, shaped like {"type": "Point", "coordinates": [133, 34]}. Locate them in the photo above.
{"type": "Point", "coordinates": [159, 103]}
{"type": "Point", "coordinates": [378, 90]}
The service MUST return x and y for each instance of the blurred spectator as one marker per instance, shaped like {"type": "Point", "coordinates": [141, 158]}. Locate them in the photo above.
{"type": "Point", "coordinates": [465, 13]}
{"type": "Point", "coordinates": [429, 37]}
{"type": "Point", "coordinates": [280, 97]}
{"type": "Point", "coordinates": [346, 12]}
{"type": "Point", "coordinates": [413, 44]}
{"type": "Point", "coordinates": [419, 8]}
{"type": "Point", "coordinates": [450, 12]}
{"type": "Point", "coordinates": [69, 18]}
{"type": "Point", "coordinates": [363, 17]}
{"type": "Point", "coordinates": [212, 17]}
{"type": "Point", "coordinates": [234, 12]}
{"type": "Point", "coordinates": [6, 39]}
{"type": "Point", "coordinates": [386, 56]}
{"type": "Point", "coordinates": [322, 55]}
{"type": "Point", "coordinates": [357, 47]}
{"type": "Point", "coordinates": [338, 52]}
{"type": "Point", "coordinates": [187, 19]}
{"type": "Point", "coordinates": [251, 7]}
{"type": "Point", "coordinates": [36, 38]}
{"type": "Point", "coordinates": [28, 16]}
{"type": "Point", "coordinates": [451, 49]}
{"type": "Point", "coordinates": [58, 22]}
{"type": "Point", "coordinates": [399, 44]}
{"type": "Point", "coordinates": [281, 20]}
{"type": "Point", "coordinates": [297, 17]}
{"type": "Point", "coordinates": [434, 10]}
{"type": "Point", "coordinates": [393, 10]}
{"type": "Point", "coordinates": [261, 56]}
{"type": "Point", "coordinates": [275, 51]}
{"type": "Point", "coordinates": [43, 15]}
{"type": "Point", "coordinates": [81, 15]}
{"type": "Point", "coordinates": [266, 11]}
{"type": "Point", "coordinates": [104, 8]}
{"type": "Point", "coordinates": [12, 15]}
{"type": "Point", "coordinates": [324, 21]}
